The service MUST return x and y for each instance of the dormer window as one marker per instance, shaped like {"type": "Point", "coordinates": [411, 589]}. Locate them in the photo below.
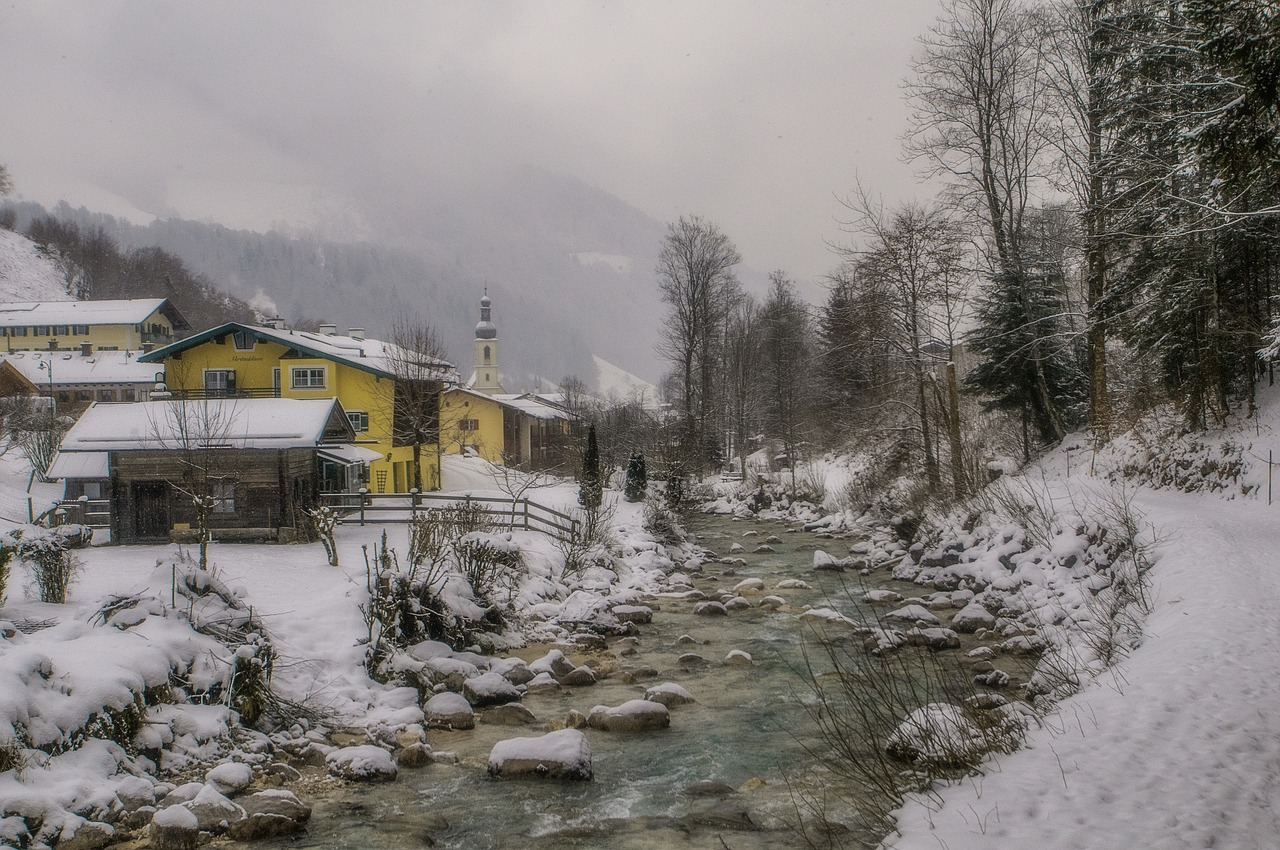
{"type": "Point", "coordinates": [244, 341]}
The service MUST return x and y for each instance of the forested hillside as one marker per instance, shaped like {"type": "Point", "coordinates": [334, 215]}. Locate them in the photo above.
{"type": "Point", "coordinates": [570, 270]}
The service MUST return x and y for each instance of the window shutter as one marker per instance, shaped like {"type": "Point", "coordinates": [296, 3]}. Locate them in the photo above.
{"type": "Point", "coordinates": [231, 380]}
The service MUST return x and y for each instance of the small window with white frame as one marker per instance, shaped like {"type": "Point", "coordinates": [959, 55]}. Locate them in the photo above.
{"type": "Point", "coordinates": [307, 377]}
{"type": "Point", "coordinates": [359, 420]}
{"type": "Point", "coordinates": [468, 424]}
{"type": "Point", "coordinates": [224, 497]}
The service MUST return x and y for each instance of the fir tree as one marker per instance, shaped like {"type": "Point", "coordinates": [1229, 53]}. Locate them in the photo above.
{"type": "Point", "coordinates": [590, 490]}
{"type": "Point", "coordinates": [1025, 349]}
{"type": "Point", "coordinates": [637, 478]}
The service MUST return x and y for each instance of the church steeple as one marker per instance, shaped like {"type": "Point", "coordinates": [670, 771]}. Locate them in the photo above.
{"type": "Point", "coordinates": [486, 379]}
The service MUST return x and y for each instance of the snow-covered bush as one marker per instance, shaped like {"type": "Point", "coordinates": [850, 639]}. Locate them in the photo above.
{"type": "Point", "coordinates": [487, 561]}
{"type": "Point", "coordinates": [52, 564]}
{"type": "Point", "coordinates": [324, 521]}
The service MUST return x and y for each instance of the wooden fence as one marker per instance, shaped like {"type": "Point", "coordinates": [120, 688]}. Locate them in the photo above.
{"type": "Point", "coordinates": [369, 508]}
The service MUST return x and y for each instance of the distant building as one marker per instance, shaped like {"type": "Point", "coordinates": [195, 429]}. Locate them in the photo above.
{"type": "Point", "coordinates": [522, 430]}
{"type": "Point", "coordinates": [74, 380]}
{"type": "Point", "coordinates": [135, 324]}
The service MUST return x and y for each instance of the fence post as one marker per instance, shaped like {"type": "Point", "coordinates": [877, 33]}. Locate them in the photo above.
{"type": "Point", "coordinates": [31, 512]}
{"type": "Point", "coordinates": [364, 495]}
{"type": "Point", "coordinates": [526, 514]}
{"type": "Point", "coordinates": [414, 493]}
{"type": "Point", "coordinates": [1268, 477]}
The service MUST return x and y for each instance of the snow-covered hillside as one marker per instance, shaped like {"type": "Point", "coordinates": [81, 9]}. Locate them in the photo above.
{"type": "Point", "coordinates": [27, 274]}
{"type": "Point", "coordinates": [615, 382]}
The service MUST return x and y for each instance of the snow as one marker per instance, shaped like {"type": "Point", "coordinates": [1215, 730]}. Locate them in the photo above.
{"type": "Point", "coordinates": [28, 274]}
{"type": "Point", "coordinates": [361, 763]}
{"type": "Point", "coordinates": [243, 423]}
{"type": "Point", "coordinates": [122, 311]}
{"type": "Point", "coordinates": [100, 367]}
{"type": "Point", "coordinates": [615, 382]}
{"type": "Point", "coordinates": [564, 754]}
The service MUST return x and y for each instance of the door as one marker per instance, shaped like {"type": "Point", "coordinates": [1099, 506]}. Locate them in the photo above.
{"type": "Point", "coordinates": [151, 509]}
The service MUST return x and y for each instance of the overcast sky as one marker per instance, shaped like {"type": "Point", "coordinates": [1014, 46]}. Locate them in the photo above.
{"type": "Point", "coordinates": [755, 115]}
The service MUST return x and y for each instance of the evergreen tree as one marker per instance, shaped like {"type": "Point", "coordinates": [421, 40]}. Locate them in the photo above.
{"type": "Point", "coordinates": [1024, 348]}
{"type": "Point", "coordinates": [637, 478]}
{"type": "Point", "coordinates": [590, 489]}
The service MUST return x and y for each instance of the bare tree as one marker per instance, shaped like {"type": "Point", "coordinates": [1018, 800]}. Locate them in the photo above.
{"type": "Point", "coordinates": [695, 278]}
{"type": "Point", "coordinates": [200, 430]}
{"type": "Point", "coordinates": [415, 356]}
{"type": "Point", "coordinates": [742, 375]}
{"type": "Point", "coordinates": [980, 101]}
{"type": "Point", "coordinates": [915, 254]}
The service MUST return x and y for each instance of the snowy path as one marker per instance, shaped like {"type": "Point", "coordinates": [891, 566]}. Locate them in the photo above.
{"type": "Point", "coordinates": [1181, 747]}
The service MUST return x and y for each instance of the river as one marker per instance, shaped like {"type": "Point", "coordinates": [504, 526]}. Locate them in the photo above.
{"type": "Point", "coordinates": [748, 730]}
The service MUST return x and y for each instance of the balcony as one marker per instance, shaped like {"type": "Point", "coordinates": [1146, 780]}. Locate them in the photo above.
{"type": "Point", "coordinates": [238, 392]}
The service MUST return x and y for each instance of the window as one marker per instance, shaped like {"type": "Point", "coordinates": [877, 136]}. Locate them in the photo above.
{"type": "Point", "coordinates": [224, 497]}
{"type": "Point", "coordinates": [468, 424]}
{"type": "Point", "coordinates": [61, 330]}
{"type": "Point", "coordinates": [40, 330]}
{"type": "Point", "coordinates": [309, 378]}
{"type": "Point", "coordinates": [106, 395]}
{"type": "Point", "coordinates": [128, 395]}
{"type": "Point", "coordinates": [244, 341]}
{"type": "Point", "coordinates": [84, 395]}
{"type": "Point", "coordinates": [275, 380]}
{"type": "Point", "coordinates": [359, 420]}
{"type": "Point", "coordinates": [81, 330]}
{"type": "Point", "coordinates": [18, 331]}
{"type": "Point", "coordinates": [93, 489]}
{"type": "Point", "coordinates": [487, 355]}
{"type": "Point", "coordinates": [64, 395]}
{"type": "Point", "coordinates": [219, 382]}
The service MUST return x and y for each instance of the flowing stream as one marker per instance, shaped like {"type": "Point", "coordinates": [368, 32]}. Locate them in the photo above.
{"type": "Point", "coordinates": [748, 730]}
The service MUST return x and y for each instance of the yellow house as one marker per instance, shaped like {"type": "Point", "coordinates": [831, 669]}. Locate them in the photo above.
{"type": "Point", "coordinates": [522, 430]}
{"type": "Point", "coordinates": [130, 324]}
{"type": "Point", "coordinates": [390, 395]}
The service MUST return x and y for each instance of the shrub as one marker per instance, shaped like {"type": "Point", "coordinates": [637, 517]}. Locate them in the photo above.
{"type": "Point", "coordinates": [53, 566]}
{"type": "Point", "coordinates": [8, 545]}
{"type": "Point", "coordinates": [637, 478]}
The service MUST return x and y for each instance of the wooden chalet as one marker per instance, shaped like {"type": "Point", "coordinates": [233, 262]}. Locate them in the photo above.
{"type": "Point", "coordinates": [137, 468]}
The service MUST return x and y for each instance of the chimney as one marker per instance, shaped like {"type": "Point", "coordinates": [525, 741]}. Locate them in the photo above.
{"type": "Point", "coordinates": [328, 329]}
{"type": "Point", "coordinates": [86, 348]}
{"type": "Point", "coordinates": [356, 333]}
{"type": "Point", "coordinates": [53, 345]}
{"type": "Point", "coordinates": [147, 346]}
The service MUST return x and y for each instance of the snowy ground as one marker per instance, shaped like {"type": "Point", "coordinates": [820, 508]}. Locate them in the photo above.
{"type": "Point", "coordinates": [1177, 747]}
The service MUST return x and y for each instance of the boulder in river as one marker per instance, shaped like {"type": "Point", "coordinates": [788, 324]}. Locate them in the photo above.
{"type": "Point", "coordinates": [449, 711]}
{"type": "Point", "coordinates": [710, 609]}
{"type": "Point", "coordinates": [636, 715]}
{"type": "Point", "coordinates": [366, 763]}
{"type": "Point", "coordinates": [564, 754]}
{"type": "Point", "coordinates": [669, 694]}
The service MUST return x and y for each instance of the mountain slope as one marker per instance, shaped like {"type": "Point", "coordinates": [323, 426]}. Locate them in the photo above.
{"type": "Point", "coordinates": [27, 273]}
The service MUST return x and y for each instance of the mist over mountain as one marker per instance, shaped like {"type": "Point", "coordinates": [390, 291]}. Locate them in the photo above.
{"type": "Point", "coordinates": [569, 268]}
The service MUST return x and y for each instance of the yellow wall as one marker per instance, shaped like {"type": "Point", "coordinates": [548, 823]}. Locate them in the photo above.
{"type": "Point", "coordinates": [355, 389]}
{"type": "Point", "coordinates": [102, 336]}
{"type": "Point", "coordinates": [487, 438]}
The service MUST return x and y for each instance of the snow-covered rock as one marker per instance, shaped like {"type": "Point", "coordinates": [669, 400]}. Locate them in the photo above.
{"type": "Point", "coordinates": [637, 715]}
{"type": "Point", "coordinates": [749, 587]}
{"type": "Point", "coordinates": [565, 754]}
{"type": "Point", "coordinates": [174, 828]}
{"type": "Point", "coordinates": [710, 609]}
{"type": "Point", "coordinates": [230, 778]}
{"type": "Point", "coordinates": [938, 734]}
{"type": "Point", "coordinates": [669, 694]}
{"type": "Point", "coordinates": [365, 763]}
{"type": "Point", "coordinates": [971, 618]}
{"type": "Point", "coordinates": [913, 614]}
{"type": "Point", "coordinates": [490, 688]}
{"type": "Point", "coordinates": [738, 658]}
{"type": "Point", "coordinates": [449, 711]}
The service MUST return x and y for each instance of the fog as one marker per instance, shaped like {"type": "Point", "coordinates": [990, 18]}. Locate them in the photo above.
{"type": "Point", "coordinates": [755, 115]}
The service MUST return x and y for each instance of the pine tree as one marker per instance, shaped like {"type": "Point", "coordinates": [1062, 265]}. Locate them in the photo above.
{"type": "Point", "coordinates": [1024, 349]}
{"type": "Point", "coordinates": [637, 478]}
{"type": "Point", "coordinates": [590, 489]}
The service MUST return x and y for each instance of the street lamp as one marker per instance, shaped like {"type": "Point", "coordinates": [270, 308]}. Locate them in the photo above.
{"type": "Point", "coordinates": [47, 365]}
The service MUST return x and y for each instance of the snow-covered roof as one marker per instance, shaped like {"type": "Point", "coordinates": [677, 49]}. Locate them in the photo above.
{"type": "Point", "coordinates": [369, 355]}
{"type": "Point", "coordinates": [531, 405]}
{"type": "Point", "coordinates": [100, 367]}
{"type": "Point", "coordinates": [527, 403]}
{"type": "Point", "coordinates": [253, 423]}
{"type": "Point", "coordinates": [350, 454]}
{"type": "Point", "coordinates": [124, 311]}
{"type": "Point", "coordinates": [72, 464]}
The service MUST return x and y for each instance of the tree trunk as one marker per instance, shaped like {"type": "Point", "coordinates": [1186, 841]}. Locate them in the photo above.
{"type": "Point", "coordinates": [958, 481]}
